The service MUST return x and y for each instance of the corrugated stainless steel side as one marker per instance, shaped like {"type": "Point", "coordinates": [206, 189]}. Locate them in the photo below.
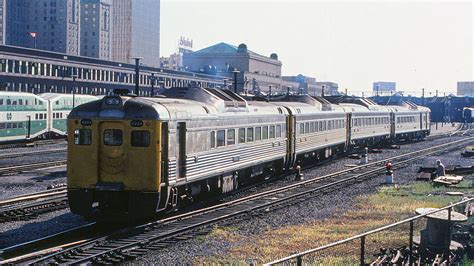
{"type": "Point", "coordinates": [319, 140]}
{"type": "Point", "coordinates": [221, 160]}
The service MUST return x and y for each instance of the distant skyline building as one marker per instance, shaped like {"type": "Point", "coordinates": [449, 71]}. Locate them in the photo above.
{"type": "Point", "coordinates": [384, 87]}
{"type": "Point", "coordinates": [2, 22]}
{"type": "Point", "coordinates": [136, 31]}
{"type": "Point", "coordinates": [305, 84]}
{"type": "Point", "coordinates": [44, 24]}
{"type": "Point", "coordinates": [465, 88]}
{"type": "Point", "coordinates": [330, 88]}
{"type": "Point", "coordinates": [256, 72]}
{"type": "Point", "coordinates": [174, 61]}
{"type": "Point", "coordinates": [96, 29]}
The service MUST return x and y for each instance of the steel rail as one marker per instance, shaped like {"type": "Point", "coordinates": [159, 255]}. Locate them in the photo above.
{"type": "Point", "coordinates": [30, 166]}
{"type": "Point", "coordinates": [29, 210]}
{"type": "Point", "coordinates": [32, 196]}
{"type": "Point", "coordinates": [152, 233]}
{"type": "Point", "coordinates": [35, 245]}
{"type": "Point", "coordinates": [20, 154]}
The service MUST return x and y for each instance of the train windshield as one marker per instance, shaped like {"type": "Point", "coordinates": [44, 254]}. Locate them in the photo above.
{"type": "Point", "coordinates": [113, 137]}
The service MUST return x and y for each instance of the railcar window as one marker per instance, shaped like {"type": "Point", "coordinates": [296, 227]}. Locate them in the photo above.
{"type": "Point", "coordinates": [250, 134]}
{"type": "Point", "coordinates": [258, 133]}
{"type": "Point", "coordinates": [278, 131]}
{"type": "Point", "coordinates": [1, 101]}
{"type": "Point", "coordinates": [241, 135]}
{"type": "Point", "coordinates": [213, 139]}
{"type": "Point", "coordinates": [272, 132]}
{"type": "Point", "coordinates": [312, 127]}
{"type": "Point", "coordinates": [82, 137]}
{"type": "Point", "coordinates": [140, 138]}
{"type": "Point", "coordinates": [230, 136]}
{"type": "Point", "coordinates": [265, 132]}
{"type": "Point", "coordinates": [20, 125]}
{"type": "Point", "coordinates": [2, 125]}
{"type": "Point", "coordinates": [113, 137]}
{"type": "Point", "coordinates": [301, 128]}
{"type": "Point", "coordinates": [9, 125]}
{"type": "Point", "coordinates": [220, 138]}
{"type": "Point", "coordinates": [306, 128]}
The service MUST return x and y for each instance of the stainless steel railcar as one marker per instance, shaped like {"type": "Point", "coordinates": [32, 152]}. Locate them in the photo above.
{"type": "Point", "coordinates": [145, 155]}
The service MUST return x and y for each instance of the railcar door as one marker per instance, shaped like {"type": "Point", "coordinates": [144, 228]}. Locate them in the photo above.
{"type": "Point", "coordinates": [181, 152]}
{"type": "Point", "coordinates": [421, 121]}
{"type": "Point", "coordinates": [112, 156]}
{"type": "Point", "coordinates": [348, 130]}
{"type": "Point", "coordinates": [392, 125]}
{"type": "Point", "coordinates": [290, 131]}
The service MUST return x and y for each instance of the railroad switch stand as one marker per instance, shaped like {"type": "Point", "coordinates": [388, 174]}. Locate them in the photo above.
{"type": "Point", "coordinates": [388, 173]}
{"type": "Point", "coordinates": [299, 175]}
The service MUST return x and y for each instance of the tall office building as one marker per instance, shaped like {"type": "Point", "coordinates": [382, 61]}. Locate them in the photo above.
{"type": "Point", "coordinates": [44, 24]}
{"type": "Point", "coordinates": [136, 31]}
{"type": "Point", "coordinates": [96, 29]}
{"type": "Point", "coordinates": [2, 22]}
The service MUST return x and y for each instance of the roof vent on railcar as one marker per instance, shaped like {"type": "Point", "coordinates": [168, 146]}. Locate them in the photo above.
{"type": "Point", "coordinates": [223, 100]}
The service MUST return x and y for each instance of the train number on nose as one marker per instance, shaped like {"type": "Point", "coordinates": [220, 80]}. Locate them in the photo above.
{"type": "Point", "coordinates": [86, 122]}
{"type": "Point", "coordinates": [136, 123]}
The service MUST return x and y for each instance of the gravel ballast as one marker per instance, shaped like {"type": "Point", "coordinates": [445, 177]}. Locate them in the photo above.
{"type": "Point", "coordinates": [327, 205]}
{"type": "Point", "coordinates": [318, 208]}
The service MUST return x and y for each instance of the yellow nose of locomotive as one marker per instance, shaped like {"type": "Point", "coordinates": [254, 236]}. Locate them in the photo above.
{"type": "Point", "coordinates": [113, 164]}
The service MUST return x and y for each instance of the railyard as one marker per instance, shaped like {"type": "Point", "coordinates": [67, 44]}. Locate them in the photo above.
{"type": "Point", "coordinates": [220, 230]}
{"type": "Point", "coordinates": [272, 133]}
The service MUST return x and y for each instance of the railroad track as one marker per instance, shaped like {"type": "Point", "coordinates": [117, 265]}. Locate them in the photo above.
{"type": "Point", "coordinates": [35, 143]}
{"type": "Point", "coordinates": [130, 243]}
{"type": "Point", "coordinates": [32, 153]}
{"type": "Point", "coordinates": [30, 166]}
{"type": "Point", "coordinates": [31, 205]}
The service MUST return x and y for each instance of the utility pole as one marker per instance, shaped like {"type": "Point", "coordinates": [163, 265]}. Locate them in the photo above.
{"type": "Point", "coordinates": [235, 80]}
{"type": "Point", "coordinates": [322, 91]}
{"type": "Point", "coordinates": [74, 76]}
{"type": "Point", "coordinates": [137, 75]}
{"type": "Point", "coordinates": [29, 127]}
{"type": "Point", "coordinates": [269, 93]}
{"type": "Point", "coordinates": [423, 96]}
{"type": "Point", "coordinates": [153, 80]}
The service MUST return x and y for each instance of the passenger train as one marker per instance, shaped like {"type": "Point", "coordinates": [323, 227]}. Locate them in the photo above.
{"type": "Point", "coordinates": [26, 116]}
{"type": "Point", "coordinates": [139, 156]}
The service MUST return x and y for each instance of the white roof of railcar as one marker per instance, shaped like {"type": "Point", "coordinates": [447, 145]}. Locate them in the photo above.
{"type": "Point", "coordinates": [184, 108]}
{"type": "Point", "coordinates": [55, 96]}
{"type": "Point", "coordinates": [16, 94]}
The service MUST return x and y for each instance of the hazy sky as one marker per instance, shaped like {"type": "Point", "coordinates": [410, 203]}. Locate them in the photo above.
{"type": "Point", "coordinates": [423, 44]}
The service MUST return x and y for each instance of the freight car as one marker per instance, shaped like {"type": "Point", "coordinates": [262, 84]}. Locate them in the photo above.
{"type": "Point", "coordinates": [138, 156]}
